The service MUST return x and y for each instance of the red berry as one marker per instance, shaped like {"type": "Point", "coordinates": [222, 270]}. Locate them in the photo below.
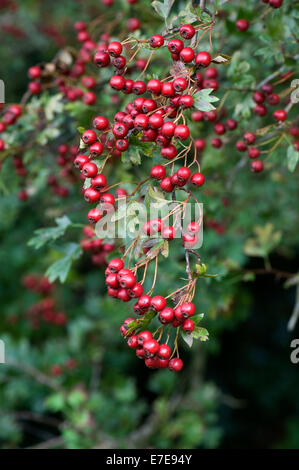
{"type": "Point", "coordinates": [164, 351]}
{"type": "Point", "coordinates": [154, 86]}
{"type": "Point", "coordinates": [175, 46]}
{"type": "Point", "coordinates": [219, 128]}
{"type": "Point", "coordinates": [80, 161]}
{"type": "Point", "coordinates": [166, 315]}
{"type": "Point", "coordinates": [96, 149]}
{"type": "Point", "coordinates": [139, 87]}
{"type": "Point", "coordinates": [167, 89]}
{"type": "Point", "coordinates": [203, 59]}
{"type": "Point", "coordinates": [94, 215]}
{"type": "Point", "coordinates": [259, 97]}
{"type": "Point", "coordinates": [211, 73]}
{"type": "Point", "coordinates": [114, 48]}
{"type": "Point", "coordinates": [91, 195]}
{"type": "Point", "coordinates": [133, 342]}
{"type": "Point", "coordinates": [90, 170]}
{"type": "Point", "coordinates": [273, 99]}
{"type": "Point", "coordinates": [188, 326]}
{"type": "Point", "coordinates": [180, 84]}
{"type": "Point", "coordinates": [275, 3]}
{"type": "Point", "coordinates": [133, 24]}
{"type": "Point", "coordinates": [280, 115]}
{"type": "Point", "coordinates": [197, 179]}
{"type": "Point", "coordinates": [168, 233]}
{"type": "Point", "coordinates": [89, 137]}
{"type": "Point", "coordinates": [144, 336]}
{"type": "Point", "coordinates": [256, 166]}
{"type": "Point", "coordinates": [175, 364]}
{"type": "Point", "coordinates": [187, 31]}
{"type": "Point", "coordinates": [155, 121]}
{"type": "Point", "coordinates": [156, 41]}
{"type": "Point", "coordinates": [200, 144]}
{"type": "Point", "coordinates": [158, 303]}
{"type": "Point", "coordinates": [184, 173]}
{"type": "Point", "coordinates": [34, 72]}
{"type": "Point", "coordinates": [151, 347]}
{"type": "Point", "coordinates": [182, 132]}
{"type": "Point", "coordinates": [169, 152]}
{"type": "Point", "coordinates": [135, 291]}
{"type": "Point", "coordinates": [144, 302]}
{"type": "Point", "coordinates": [193, 227]}
{"type": "Point", "coordinates": [186, 101]}
{"type": "Point", "coordinates": [117, 82]}
{"type": "Point", "coordinates": [197, 116]}
{"type": "Point", "coordinates": [166, 184]}
{"type": "Point", "coordinates": [99, 181]}
{"type": "Point", "coordinates": [242, 25]}
{"type": "Point", "coordinates": [158, 172]}
{"type": "Point", "coordinates": [119, 130]}
{"type": "Point", "coordinates": [241, 146]}
{"type": "Point", "coordinates": [115, 265]}
{"type": "Point", "coordinates": [216, 143]}
{"type": "Point", "coordinates": [249, 137]}
{"type": "Point", "coordinates": [187, 54]}
{"type": "Point", "coordinates": [107, 200]}
{"type": "Point", "coordinates": [260, 110]}
{"type": "Point", "coordinates": [253, 152]}
{"type": "Point", "coordinates": [100, 122]}
{"type": "Point", "coordinates": [231, 124]}
{"type": "Point", "coordinates": [101, 59]}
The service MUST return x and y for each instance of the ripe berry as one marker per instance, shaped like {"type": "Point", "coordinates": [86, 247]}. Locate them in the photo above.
{"type": "Point", "coordinates": [187, 54]}
{"type": "Point", "coordinates": [117, 82]}
{"type": "Point", "coordinates": [133, 342]}
{"type": "Point", "coordinates": [112, 281]}
{"type": "Point", "coordinates": [141, 121]}
{"type": "Point", "coordinates": [100, 122]}
{"type": "Point", "coordinates": [135, 291]}
{"type": "Point", "coordinates": [139, 87]}
{"type": "Point", "coordinates": [275, 3]}
{"type": "Point", "coordinates": [168, 129]}
{"type": "Point", "coordinates": [115, 265]}
{"type": "Point", "coordinates": [148, 105]}
{"type": "Point", "coordinates": [203, 59]}
{"type": "Point", "coordinates": [166, 315]}
{"type": "Point", "coordinates": [219, 128]}
{"type": "Point", "coordinates": [253, 152]}
{"type": "Point", "coordinates": [216, 143]}
{"type": "Point", "coordinates": [101, 59]}
{"type": "Point", "coordinates": [154, 86]}
{"type": "Point", "coordinates": [187, 31]}
{"type": "Point", "coordinates": [99, 181]}
{"type": "Point", "coordinates": [197, 179]}
{"type": "Point", "coordinates": [175, 46]}
{"type": "Point", "coordinates": [197, 116]}
{"type": "Point", "coordinates": [123, 296]}
{"type": "Point", "coordinates": [184, 173]}
{"type": "Point", "coordinates": [119, 130]}
{"type": "Point", "coordinates": [128, 86]}
{"type": "Point", "coordinates": [164, 351]}
{"type": "Point", "coordinates": [259, 97]}
{"type": "Point", "coordinates": [150, 347]}
{"type": "Point", "coordinates": [260, 110]}
{"type": "Point", "coordinates": [89, 98]}
{"type": "Point", "coordinates": [35, 88]}
{"type": "Point", "coordinates": [280, 115]}
{"type": "Point", "coordinates": [167, 89]}
{"type": "Point", "coordinates": [188, 326]}
{"type": "Point", "coordinates": [242, 25]}
{"type": "Point", "coordinates": [94, 215]}
{"type": "Point", "coordinates": [151, 362]}
{"type": "Point", "coordinates": [175, 364]}
{"type": "Point", "coordinates": [155, 121]}
{"type": "Point", "coordinates": [169, 152]}
{"type": "Point", "coordinates": [187, 309]}
{"type": "Point", "coordinates": [193, 227]}
{"type": "Point", "coordinates": [231, 124]}
{"type": "Point", "coordinates": [140, 353]}
{"type": "Point", "coordinates": [186, 101]}
{"type": "Point", "coordinates": [180, 84]}
{"type": "Point", "coordinates": [89, 137]}
{"type": "Point", "coordinates": [182, 132]}
{"type": "Point", "coordinates": [200, 144]}
{"type": "Point", "coordinates": [107, 199]}
{"type": "Point", "coordinates": [144, 302]}
{"type": "Point", "coordinates": [80, 160]}
{"type": "Point", "coordinates": [158, 172]}
{"type": "Point", "coordinates": [128, 281]}
{"type": "Point", "coordinates": [256, 166]}
{"type": "Point", "coordinates": [158, 303]}
{"type": "Point", "coordinates": [168, 233]}
{"type": "Point", "coordinates": [144, 336]}
{"type": "Point", "coordinates": [96, 149]}
{"type": "Point", "coordinates": [241, 146]}
{"type": "Point", "coordinates": [166, 184]}
{"type": "Point", "coordinates": [114, 48]}
{"type": "Point", "coordinates": [211, 73]}
{"type": "Point", "coordinates": [90, 170]}
{"type": "Point", "coordinates": [273, 99]}
{"type": "Point", "coordinates": [156, 41]}
{"type": "Point", "coordinates": [249, 137]}
{"type": "Point", "coordinates": [122, 145]}
{"type": "Point", "coordinates": [91, 195]}
{"type": "Point", "coordinates": [133, 24]}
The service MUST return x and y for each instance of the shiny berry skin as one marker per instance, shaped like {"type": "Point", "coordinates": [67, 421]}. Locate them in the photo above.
{"type": "Point", "coordinates": [90, 170]}
{"type": "Point", "coordinates": [180, 84]}
{"type": "Point", "coordinates": [242, 25]}
{"type": "Point", "coordinates": [122, 145]}
{"type": "Point", "coordinates": [112, 281]}
{"type": "Point", "coordinates": [100, 122]}
{"type": "Point", "coordinates": [158, 172]}
{"type": "Point", "coordinates": [94, 215]}
{"type": "Point", "coordinates": [188, 309]}
{"type": "Point", "coordinates": [151, 347]}
{"type": "Point", "coordinates": [101, 59]}
{"type": "Point", "coordinates": [154, 86]}
{"type": "Point", "coordinates": [184, 173]}
{"type": "Point", "coordinates": [128, 281]}
{"type": "Point", "coordinates": [114, 49]}
{"type": "Point", "coordinates": [89, 98]}
{"type": "Point", "coordinates": [117, 82]}
{"type": "Point", "coordinates": [151, 362]}
{"type": "Point", "coordinates": [166, 315]}
{"type": "Point", "coordinates": [164, 351]}
{"type": "Point", "coordinates": [167, 89]}
{"type": "Point", "coordinates": [124, 297]}
{"type": "Point", "coordinates": [96, 149]}
{"type": "Point", "coordinates": [80, 160]}
{"type": "Point", "coordinates": [197, 179]}
{"type": "Point", "coordinates": [89, 137]}
{"type": "Point", "coordinates": [187, 31]}
{"type": "Point", "coordinates": [253, 152]}
{"type": "Point", "coordinates": [135, 291]}
{"type": "Point", "coordinates": [249, 137]}
{"type": "Point", "coordinates": [155, 121]}
{"type": "Point", "coordinates": [175, 46]}
{"type": "Point", "coordinates": [280, 115]}
{"type": "Point", "coordinates": [186, 101]}
{"type": "Point", "coordinates": [219, 128]}
{"type": "Point", "coordinates": [128, 86]}
{"type": "Point", "coordinates": [115, 265]}
{"type": "Point", "coordinates": [212, 72]}
{"type": "Point", "coordinates": [187, 54]}
{"type": "Point", "coordinates": [148, 105]}
{"type": "Point", "coordinates": [166, 184]}
{"type": "Point", "coordinates": [99, 181]}
{"type": "Point", "coordinates": [139, 87]}
{"type": "Point", "coordinates": [91, 195]}
{"type": "Point", "coordinates": [107, 199]}
{"type": "Point", "coordinates": [152, 226]}
{"type": "Point", "coordinates": [156, 41]}
{"type": "Point", "coordinates": [140, 353]}
{"type": "Point", "coordinates": [259, 97]}
{"type": "Point", "coordinates": [231, 124]}
{"type": "Point", "coordinates": [203, 59]}
{"type": "Point", "coordinates": [144, 302]}
{"type": "Point", "coordinates": [34, 72]}
{"type": "Point", "coordinates": [182, 132]}
{"type": "Point", "coordinates": [119, 130]}
{"type": "Point", "coordinates": [168, 233]}
{"type": "Point", "coordinates": [193, 227]}
{"type": "Point", "coordinates": [168, 129]}
{"type": "Point", "coordinates": [188, 326]}
{"type": "Point", "coordinates": [133, 342]}
{"type": "Point", "coordinates": [141, 121]}
{"type": "Point", "coordinates": [158, 303]}
{"type": "Point", "coordinates": [241, 146]}
{"type": "Point", "coordinates": [256, 166]}
{"type": "Point", "coordinates": [169, 152]}
{"type": "Point", "coordinates": [119, 116]}
{"type": "Point", "coordinates": [200, 144]}
{"type": "Point", "coordinates": [175, 364]}
{"type": "Point", "coordinates": [143, 337]}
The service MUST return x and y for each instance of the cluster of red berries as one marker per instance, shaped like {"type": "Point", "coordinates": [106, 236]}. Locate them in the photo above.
{"type": "Point", "coordinates": [58, 369]}
{"type": "Point", "coordinates": [179, 179]}
{"type": "Point", "coordinates": [44, 310]}
{"type": "Point", "coordinates": [9, 117]}
{"type": "Point", "coordinates": [96, 246]}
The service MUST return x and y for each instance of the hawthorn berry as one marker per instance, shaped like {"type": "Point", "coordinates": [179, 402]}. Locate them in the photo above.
{"type": "Point", "coordinates": [90, 170]}
{"type": "Point", "coordinates": [197, 179]}
{"type": "Point", "coordinates": [280, 115]}
{"type": "Point", "coordinates": [203, 59]}
{"type": "Point", "coordinates": [182, 132]}
{"type": "Point", "coordinates": [256, 166]}
{"type": "Point", "coordinates": [188, 326]}
{"type": "Point", "coordinates": [117, 82]}
{"type": "Point", "coordinates": [96, 149]}
{"type": "Point", "coordinates": [200, 144]}
{"type": "Point", "coordinates": [102, 59]}
{"type": "Point", "coordinates": [175, 46]}
{"type": "Point", "coordinates": [100, 122]}
{"type": "Point", "coordinates": [115, 265]}
{"type": "Point", "coordinates": [249, 137]}
{"type": "Point", "coordinates": [187, 31]}
{"type": "Point", "coordinates": [89, 137]}
{"type": "Point", "coordinates": [166, 315]}
{"type": "Point", "coordinates": [175, 364]}
{"type": "Point", "coordinates": [158, 303]}
{"type": "Point", "coordinates": [158, 172]}
{"type": "Point", "coordinates": [253, 152]}
{"type": "Point", "coordinates": [241, 146]}
{"type": "Point", "coordinates": [166, 184]}
{"type": "Point", "coordinates": [168, 233]}
{"type": "Point", "coordinates": [143, 337]}
{"type": "Point", "coordinates": [154, 86]}
{"type": "Point", "coordinates": [156, 41]}
{"type": "Point", "coordinates": [91, 195]}
{"type": "Point", "coordinates": [169, 152]}
{"type": "Point", "coordinates": [151, 347]}
{"type": "Point", "coordinates": [139, 87]}
{"type": "Point", "coordinates": [242, 25]}
{"type": "Point", "coordinates": [99, 181]}
{"type": "Point", "coordinates": [94, 215]}
{"type": "Point", "coordinates": [114, 49]}
{"type": "Point", "coordinates": [187, 54]}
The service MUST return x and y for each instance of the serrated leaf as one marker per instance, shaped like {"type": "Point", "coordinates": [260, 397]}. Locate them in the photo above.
{"type": "Point", "coordinates": [46, 235]}
{"type": "Point", "coordinates": [203, 99]}
{"type": "Point", "coordinates": [292, 158]}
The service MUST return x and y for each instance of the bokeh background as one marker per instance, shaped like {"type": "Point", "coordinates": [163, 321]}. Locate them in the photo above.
{"type": "Point", "coordinates": [237, 390]}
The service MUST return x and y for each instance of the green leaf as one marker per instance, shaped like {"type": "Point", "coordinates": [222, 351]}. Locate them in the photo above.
{"type": "Point", "coordinates": [200, 333]}
{"type": "Point", "coordinates": [55, 402]}
{"type": "Point", "coordinates": [203, 99]}
{"type": "Point", "coordinates": [60, 269]}
{"type": "Point", "coordinates": [163, 8]}
{"type": "Point", "coordinates": [188, 338]}
{"type": "Point", "coordinates": [292, 158]}
{"type": "Point", "coordinates": [46, 235]}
